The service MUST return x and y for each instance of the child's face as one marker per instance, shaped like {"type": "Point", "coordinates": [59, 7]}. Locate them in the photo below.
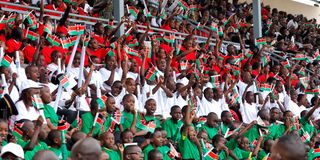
{"type": "Point", "coordinates": [131, 86]}
{"type": "Point", "coordinates": [109, 140]}
{"type": "Point", "coordinates": [157, 139]}
{"type": "Point", "coordinates": [116, 89]}
{"type": "Point", "coordinates": [245, 144]}
{"type": "Point", "coordinates": [204, 136]}
{"type": "Point", "coordinates": [3, 130]}
{"type": "Point", "coordinates": [111, 104]}
{"type": "Point", "coordinates": [111, 62]}
{"type": "Point", "coordinates": [191, 132]}
{"type": "Point", "coordinates": [212, 121]}
{"type": "Point", "coordinates": [164, 137]}
{"type": "Point", "coordinates": [127, 137]}
{"type": "Point", "coordinates": [176, 114]}
{"type": "Point", "coordinates": [128, 103]}
{"type": "Point", "coordinates": [151, 106]}
{"type": "Point", "coordinates": [45, 95]}
{"type": "Point", "coordinates": [228, 118]}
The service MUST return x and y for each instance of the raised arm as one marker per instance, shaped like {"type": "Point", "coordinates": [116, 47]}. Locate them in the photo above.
{"type": "Point", "coordinates": [65, 16]}
{"type": "Point", "coordinates": [124, 68]}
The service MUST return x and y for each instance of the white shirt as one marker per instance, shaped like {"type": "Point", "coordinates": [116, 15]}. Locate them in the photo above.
{"type": "Point", "coordinates": [292, 106]}
{"type": "Point", "coordinates": [31, 113]}
{"type": "Point", "coordinates": [106, 75]}
{"type": "Point", "coordinates": [248, 112]}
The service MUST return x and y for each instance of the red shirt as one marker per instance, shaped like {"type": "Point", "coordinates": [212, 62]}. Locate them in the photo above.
{"type": "Point", "coordinates": [28, 53]}
{"type": "Point", "coordinates": [61, 8]}
{"type": "Point", "coordinates": [46, 52]}
{"type": "Point", "coordinates": [191, 55]}
{"type": "Point", "coordinates": [12, 46]}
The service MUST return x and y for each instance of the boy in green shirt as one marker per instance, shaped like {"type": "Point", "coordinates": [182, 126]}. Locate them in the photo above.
{"type": "Point", "coordinates": [147, 122]}
{"type": "Point", "coordinates": [265, 151]}
{"type": "Point", "coordinates": [108, 145]}
{"type": "Point", "coordinates": [128, 117]}
{"type": "Point", "coordinates": [211, 126]}
{"type": "Point", "coordinates": [243, 150]}
{"type": "Point", "coordinates": [219, 148]}
{"type": "Point", "coordinates": [189, 145]}
{"type": "Point", "coordinates": [114, 115]}
{"type": "Point", "coordinates": [88, 120]}
{"type": "Point", "coordinates": [51, 116]}
{"type": "Point", "coordinates": [156, 142]}
{"type": "Point", "coordinates": [172, 125]}
{"type": "Point", "coordinates": [226, 119]}
{"type": "Point", "coordinates": [56, 145]}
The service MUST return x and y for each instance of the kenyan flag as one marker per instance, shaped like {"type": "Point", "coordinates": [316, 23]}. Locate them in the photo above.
{"type": "Point", "coordinates": [220, 31]}
{"type": "Point", "coordinates": [86, 40]}
{"type": "Point", "coordinates": [215, 81]}
{"type": "Point", "coordinates": [265, 87]}
{"type": "Point", "coordinates": [302, 72]}
{"type": "Point", "coordinates": [248, 53]}
{"type": "Point", "coordinates": [131, 51]}
{"type": "Point", "coordinates": [286, 64]}
{"type": "Point", "coordinates": [225, 21]}
{"type": "Point", "coordinates": [304, 81]}
{"type": "Point", "coordinates": [31, 19]}
{"type": "Point", "coordinates": [110, 52]}
{"type": "Point", "coordinates": [265, 60]}
{"type": "Point", "coordinates": [169, 39]}
{"type": "Point", "coordinates": [53, 40]}
{"type": "Point", "coordinates": [72, 40]}
{"type": "Point", "coordinates": [76, 30]}
{"type": "Point", "coordinates": [183, 4]}
{"type": "Point", "coordinates": [48, 28]}
{"type": "Point", "coordinates": [37, 102]}
{"type": "Point", "coordinates": [11, 19]}
{"type": "Point", "coordinates": [316, 56]}
{"type": "Point", "coordinates": [312, 91]}
{"type": "Point", "coordinates": [6, 61]}
{"type": "Point", "coordinates": [193, 7]}
{"type": "Point", "coordinates": [133, 43]}
{"type": "Point", "coordinates": [65, 43]}
{"type": "Point", "coordinates": [31, 35]}
{"type": "Point", "coordinates": [178, 48]}
{"type": "Point", "coordinates": [183, 65]}
{"type": "Point", "coordinates": [214, 27]}
{"type": "Point", "coordinates": [235, 98]}
{"type": "Point", "coordinates": [102, 101]}
{"type": "Point", "coordinates": [114, 45]}
{"type": "Point", "coordinates": [152, 74]}
{"type": "Point", "coordinates": [261, 41]}
{"type": "Point", "coordinates": [299, 57]}
{"type": "Point", "coordinates": [133, 11]}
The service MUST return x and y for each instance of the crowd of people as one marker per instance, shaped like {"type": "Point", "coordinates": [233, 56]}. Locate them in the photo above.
{"type": "Point", "coordinates": [70, 91]}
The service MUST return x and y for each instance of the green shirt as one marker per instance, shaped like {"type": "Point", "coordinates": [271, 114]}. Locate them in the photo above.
{"type": "Point", "coordinates": [87, 124]}
{"type": "Point", "coordinates": [173, 129]}
{"type": "Point", "coordinates": [262, 155]}
{"type": "Point", "coordinates": [108, 123]}
{"type": "Point", "coordinates": [212, 131]}
{"type": "Point", "coordinates": [163, 150]}
{"type": "Point", "coordinates": [114, 155]}
{"type": "Point", "coordinates": [241, 154]}
{"type": "Point", "coordinates": [28, 155]}
{"type": "Point", "coordinates": [224, 128]}
{"type": "Point", "coordinates": [49, 113]}
{"type": "Point", "coordinates": [62, 152]}
{"type": "Point", "coordinates": [252, 133]}
{"type": "Point", "coordinates": [126, 120]}
{"type": "Point", "coordinates": [188, 149]}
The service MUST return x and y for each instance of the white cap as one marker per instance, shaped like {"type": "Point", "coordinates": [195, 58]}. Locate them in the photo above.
{"type": "Point", "coordinates": [14, 149]}
{"type": "Point", "coordinates": [29, 84]}
{"type": "Point", "coordinates": [183, 81]}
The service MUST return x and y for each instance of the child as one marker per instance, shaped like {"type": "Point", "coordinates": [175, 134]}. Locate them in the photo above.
{"type": "Point", "coordinates": [128, 117]}
{"type": "Point", "coordinates": [226, 119]}
{"type": "Point", "coordinates": [3, 131]}
{"type": "Point", "coordinates": [243, 150]}
{"type": "Point", "coordinates": [56, 145]}
{"type": "Point", "coordinates": [211, 126]}
{"type": "Point", "coordinates": [148, 120]}
{"type": "Point", "coordinates": [266, 150]}
{"type": "Point", "coordinates": [172, 125]}
{"type": "Point", "coordinates": [108, 145]}
{"type": "Point", "coordinates": [113, 116]}
{"type": "Point", "coordinates": [155, 155]}
{"type": "Point", "coordinates": [188, 144]}
{"type": "Point", "coordinates": [49, 113]}
{"type": "Point", "coordinates": [156, 142]}
{"type": "Point", "coordinates": [218, 142]}
{"type": "Point", "coordinates": [126, 136]}
{"type": "Point", "coordinates": [88, 120]}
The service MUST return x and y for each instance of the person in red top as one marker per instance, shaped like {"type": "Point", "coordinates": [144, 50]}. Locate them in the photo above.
{"type": "Point", "coordinates": [57, 5]}
{"type": "Point", "coordinates": [15, 42]}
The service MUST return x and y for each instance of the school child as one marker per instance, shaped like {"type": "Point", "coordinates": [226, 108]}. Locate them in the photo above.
{"type": "Point", "coordinates": [51, 116]}
{"type": "Point", "coordinates": [128, 117]}
{"type": "Point", "coordinates": [172, 125]}
{"type": "Point", "coordinates": [89, 118]}
{"type": "Point", "coordinates": [243, 150]}
{"type": "Point", "coordinates": [264, 152]}
{"type": "Point", "coordinates": [56, 145]}
{"type": "Point", "coordinates": [156, 142]}
{"type": "Point", "coordinates": [211, 125]}
{"type": "Point", "coordinates": [108, 145]}
{"type": "Point", "coordinates": [126, 136]}
{"type": "Point", "coordinates": [3, 132]}
{"type": "Point", "coordinates": [218, 148]}
{"type": "Point", "coordinates": [189, 144]}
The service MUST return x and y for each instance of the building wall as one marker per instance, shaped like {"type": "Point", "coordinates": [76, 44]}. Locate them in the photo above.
{"type": "Point", "coordinates": [293, 7]}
